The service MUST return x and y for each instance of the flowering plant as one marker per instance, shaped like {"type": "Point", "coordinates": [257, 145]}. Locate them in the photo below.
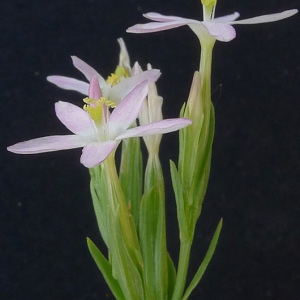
{"type": "Point", "coordinates": [128, 199]}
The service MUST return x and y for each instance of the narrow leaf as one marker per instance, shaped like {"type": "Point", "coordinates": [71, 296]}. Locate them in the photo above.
{"type": "Point", "coordinates": [171, 276]}
{"type": "Point", "coordinates": [105, 267]}
{"type": "Point", "coordinates": [205, 262]}
{"type": "Point", "coordinates": [177, 187]}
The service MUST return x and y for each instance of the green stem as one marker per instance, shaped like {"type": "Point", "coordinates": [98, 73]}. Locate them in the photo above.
{"type": "Point", "coordinates": [189, 152]}
{"type": "Point", "coordinates": [183, 264]}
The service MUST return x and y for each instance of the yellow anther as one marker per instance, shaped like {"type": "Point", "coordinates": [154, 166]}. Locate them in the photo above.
{"type": "Point", "coordinates": [95, 107]}
{"type": "Point", "coordinates": [117, 76]}
{"type": "Point", "coordinates": [113, 79]}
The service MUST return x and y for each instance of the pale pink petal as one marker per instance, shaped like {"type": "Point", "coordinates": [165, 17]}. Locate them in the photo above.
{"type": "Point", "coordinates": [127, 111]}
{"type": "Point", "coordinates": [119, 91]}
{"type": "Point", "coordinates": [87, 70]}
{"type": "Point", "coordinates": [228, 18]}
{"type": "Point", "coordinates": [74, 118]}
{"type": "Point", "coordinates": [48, 144]}
{"type": "Point", "coordinates": [162, 18]}
{"type": "Point", "coordinates": [267, 18]}
{"type": "Point", "coordinates": [156, 26]}
{"type": "Point", "coordinates": [159, 127]}
{"type": "Point", "coordinates": [161, 23]}
{"type": "Point", "coordinates": [69, 83]}
{"type": "Point", "coordinates": [94, 88]}
{"type": "Point", "coordinates": [95, 153]}
{"type": "Point", "coordinates": [220, 31]}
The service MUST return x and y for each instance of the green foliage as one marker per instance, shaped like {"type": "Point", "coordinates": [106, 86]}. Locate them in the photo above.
{"type": "Point", "coordinates": [131, 175]}
{"type": "Point", "coordinates": [106, 270]}
{"type": "Point", "coordinates": [205, 262]}
{"type": "Point", "coordinates": [132, 219]}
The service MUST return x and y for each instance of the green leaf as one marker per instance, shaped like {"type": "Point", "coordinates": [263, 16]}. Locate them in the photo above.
{"type": "Point", "coordinates": [118, 230]}
{"type": "Point", "coordinates": [106, 269]}
{"type": "Point", "coordinates": [126, 262]}
{"type": "Point", "coordinates": [171, 277]}
{"type": "Point", "coordinates": [181, 215]}
{"type": "Point", "coordinates": [205, 262]}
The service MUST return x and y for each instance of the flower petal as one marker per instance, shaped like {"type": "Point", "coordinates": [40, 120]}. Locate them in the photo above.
{"type": "Point", "coordinates": [119, 91]}
{"type": "Point", "coordinates": [162, 18]}
{"type": "Point", "coordinates": [156, 26]}
{"type": "Point", "coordinates": [161, 23]}
{"type": "Point", "coordinates": [74, 118]}
{"type": "Point", "coordinates": [127, 111]}
{"type": "Point", "coordinates": [220, 31]}
{"type": "Point", "coordinates": [87, 70]}
{"type": "Point", "coordinates": [267, 18]}
{"type": "Point", "coordinates": [48, 144]}
{"type": "Point", "coordinates": [95, 153]}
{"type": "Point", "coordinates": [68, 83]}
{"type": "Point", "coordinates": [159, 127]}
{"type": "Point", "coordinates": [94, 88]}
{"type": "Point", "coordinates": [228, 18]}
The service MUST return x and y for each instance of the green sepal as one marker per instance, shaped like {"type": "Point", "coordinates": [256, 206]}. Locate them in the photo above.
{"type": "Point", "coordinates": [153, 245]}
{"type": "Point", "coordinates": [152, 233]}
{"type": "Point", "coordinates": [100, 197]}
{"type": "Point", "coordinates": [106, 270]}
{"type": "Point", "coordinates": [205, 262]}
{"type": "Point", "coordinates": [131, 174]}
{"type": "Point", "coordinates": [200, 180]}
{"type": "Point", "coordinates": [195, 142]}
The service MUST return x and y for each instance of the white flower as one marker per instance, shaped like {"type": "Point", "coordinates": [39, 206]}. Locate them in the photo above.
{"type": "Point", "coordinates": [219, 28]}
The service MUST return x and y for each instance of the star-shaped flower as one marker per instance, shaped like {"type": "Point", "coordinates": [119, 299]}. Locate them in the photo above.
{"type": "Point", "coordinates": [219, 28]}
{"type": "Point", "coordinates": [96, 129]}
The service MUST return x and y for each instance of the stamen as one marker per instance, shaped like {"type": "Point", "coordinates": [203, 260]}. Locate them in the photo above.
{"type": "Point", "coordinates": [95, 107]}
{"type": "Point", "coordinates": [112, 79]}
{"type": "Point", "coordinates": [118, 75]}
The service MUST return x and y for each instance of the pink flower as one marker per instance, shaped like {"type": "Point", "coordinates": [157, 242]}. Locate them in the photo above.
{"type": "Point", "coordinates": [218, 28]}
{"type": "Point", "coordinates": [96, 129]}
{"type": "Point", "coordinates": [115, 93]}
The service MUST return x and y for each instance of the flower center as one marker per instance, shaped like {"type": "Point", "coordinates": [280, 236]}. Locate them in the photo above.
{"type": "Point", "coordinates": [117, 76]}
{"type": "Point", "coordinates": [95, 107]}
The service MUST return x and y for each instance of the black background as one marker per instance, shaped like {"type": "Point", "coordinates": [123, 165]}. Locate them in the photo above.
{"type": "Point", "coordinates": [46, 211]}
